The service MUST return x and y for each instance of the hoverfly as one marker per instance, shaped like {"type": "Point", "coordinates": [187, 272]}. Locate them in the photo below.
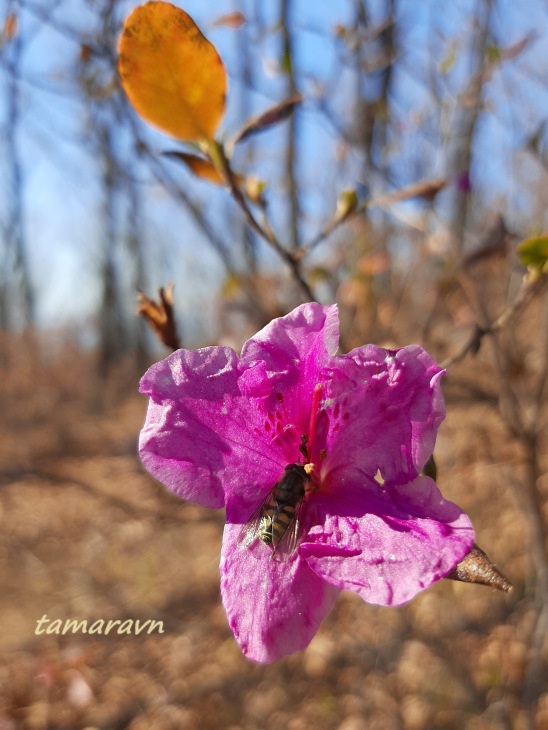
{"type": "Point", "coordinates": [276, 520]}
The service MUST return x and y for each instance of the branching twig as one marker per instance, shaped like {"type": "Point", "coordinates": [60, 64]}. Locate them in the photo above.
{"type": "Point", "coordinates": [220, 160]}
{"type": "Point", "coordinates": [529, 288]}
{"type": "Point", "coordinates": [426, 189]}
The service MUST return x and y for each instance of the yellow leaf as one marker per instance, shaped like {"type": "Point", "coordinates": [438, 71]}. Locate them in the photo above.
{"type": "Point", "coordinates": [172, 75]}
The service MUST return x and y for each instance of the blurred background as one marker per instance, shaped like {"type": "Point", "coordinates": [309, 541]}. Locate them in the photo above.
{"type": "Point", "coordinates": [435, 113]}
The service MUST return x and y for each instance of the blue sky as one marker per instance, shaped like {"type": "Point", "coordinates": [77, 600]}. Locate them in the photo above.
{"type": "Point", "coordinates": [62, 178]}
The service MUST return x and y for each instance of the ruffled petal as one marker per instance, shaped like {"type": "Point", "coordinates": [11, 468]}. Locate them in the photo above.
{"type": "Point", "coordinates": [384, 411]}
{"type": "Point", "coordinates": [218, 426]}
{"type": "Point", "coordinates": [389, 544]}
{"type": "Point", "coordinates": [203, 437]}
{"type": "Point", "coordinates": [274, 608]}
{"type": "Point", "coordinates": [306, 337]}
{"type": "Point", "coordinates": [297, 350]}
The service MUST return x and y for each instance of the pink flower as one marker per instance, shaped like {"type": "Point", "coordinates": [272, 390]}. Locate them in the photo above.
{"type": "Point", "coordinates": [350, 511]}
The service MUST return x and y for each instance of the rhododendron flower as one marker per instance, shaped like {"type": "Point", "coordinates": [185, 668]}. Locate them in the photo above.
{"type": "Point", "coordinates": [350, 432]}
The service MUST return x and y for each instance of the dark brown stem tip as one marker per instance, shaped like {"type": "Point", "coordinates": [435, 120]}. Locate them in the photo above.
{"type": "Point", "coordinates": [477, 568]}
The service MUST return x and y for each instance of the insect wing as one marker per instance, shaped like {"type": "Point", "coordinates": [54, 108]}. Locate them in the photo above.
{"type": "Point", "coordinates": [250, 531]}
{"type": "Point", "coordinates": [285, 546]}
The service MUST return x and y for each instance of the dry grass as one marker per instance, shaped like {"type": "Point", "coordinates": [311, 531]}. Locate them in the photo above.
{"type": "Point", "coordinates": [87, 534]}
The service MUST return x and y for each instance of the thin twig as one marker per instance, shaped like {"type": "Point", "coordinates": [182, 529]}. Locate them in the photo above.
{"type": "Point", "coordinates": [529, 288]}
{"type": "Point", "coordinates": [265, 231]}
{"type": "Point", "coordinates": [426, 189]}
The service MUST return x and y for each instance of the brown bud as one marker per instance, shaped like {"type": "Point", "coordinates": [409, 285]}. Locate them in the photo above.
{"type": "Point", "coordinates": [230, 20]}
{"type": "Point", "coordinates": [477, 568]}
{"type": "Point", "coordinates": [160, 316]}
{"type": "Point", "coordinates": [86, 52]}
{"type": "Point", "coordinates": [9, 30]}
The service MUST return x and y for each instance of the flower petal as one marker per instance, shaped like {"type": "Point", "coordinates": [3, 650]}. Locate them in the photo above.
{"type": "Point", "coordinates": [274, 608]}
{"type": "Point", "coordinates": [385, 412]}
{"type": "Point", "coordinates": [309, 333]}
{"type": "Point", "coordinates": [296, 349]}
{"type": "Point", "coordinates": [219, 426]}
{"type": "Point", "coordinates": [389, 545]}
{"type": "Point", "coordinates": [198, 438]}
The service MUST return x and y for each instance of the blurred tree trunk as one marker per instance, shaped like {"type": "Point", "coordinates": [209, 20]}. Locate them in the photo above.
{"type": "Point", "coordinates": [373, 85]}
{"type": "Point", "coordinates": [16, 292]}
{"type": "Point", "coordinates": [381, 122]}
{"type": "Point", "coordinates": [113, 337]}
{"type": "Point", "coordinates": [291, 149]}
{"type": "Point", "coordinates": [243, 43]}
{"type": "Point", "coordinates": [374, 54]}
{"type": "Point", "coordinates": [470, 110]}
{"type": "Point", "coordinates": [135, 250]}
{"type": "Point", "coordinates": [120, 249]}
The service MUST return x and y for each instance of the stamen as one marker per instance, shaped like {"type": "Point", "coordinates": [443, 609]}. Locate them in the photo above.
{"type": "Point", "coordinates": [316, 395]}
{"type": "Point", "coordinates": [314, 483]}
{"type": "Point", "coordinates": [379, 478]}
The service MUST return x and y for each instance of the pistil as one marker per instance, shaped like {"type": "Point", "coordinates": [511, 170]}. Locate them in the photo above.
{"type": "Point", "coordinates": [316, 396]}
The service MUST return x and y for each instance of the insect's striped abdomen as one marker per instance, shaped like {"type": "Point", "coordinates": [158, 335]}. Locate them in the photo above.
{"type": "Point", "coordinates": [276, 521]}
{"type": "Point", "coordinates": [282, 519]}
{"type": "Point", "coordinates": [267, 521]}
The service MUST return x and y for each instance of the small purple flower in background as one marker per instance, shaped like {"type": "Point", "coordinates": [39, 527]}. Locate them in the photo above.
{"type": "Point", "coordinates": [317, 459]}
{"type": "Point", "coordinates": [463, 182]}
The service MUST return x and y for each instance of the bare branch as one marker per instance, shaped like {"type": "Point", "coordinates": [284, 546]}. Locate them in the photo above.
{"type": "Point", "coordinates": [530, 287]}
{"type": "Point", "coordinates": [220, 160]}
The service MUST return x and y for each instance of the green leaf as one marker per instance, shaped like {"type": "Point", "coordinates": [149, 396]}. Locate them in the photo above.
{"type": "Point", "coordinates": [286, 63]}
{"type": "Point", "coordinates": [347, 203]}
{"type": "Point", "coordinates": [534, 252]}
{"type": "Point", "coordinates": [448, 62]}
{"type": "Point", "coordinates": [493, 54]}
